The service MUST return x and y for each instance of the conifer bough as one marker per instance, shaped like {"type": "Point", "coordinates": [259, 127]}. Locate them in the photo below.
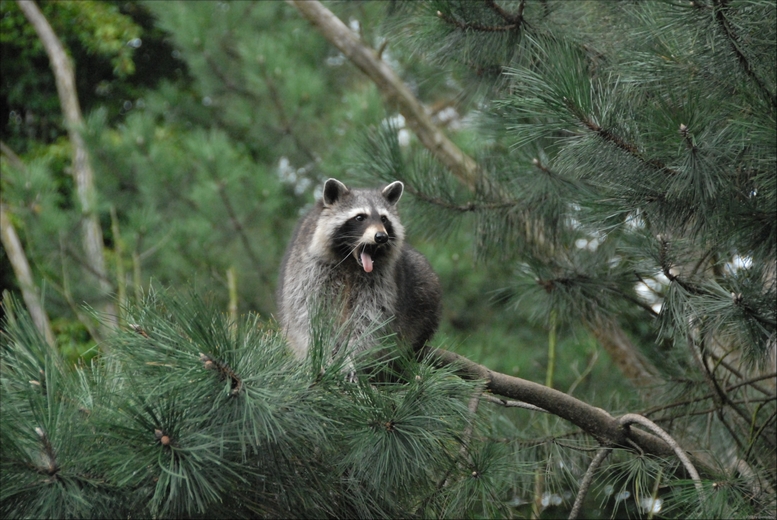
{"type": "Point", "coordinates": [392, 87]}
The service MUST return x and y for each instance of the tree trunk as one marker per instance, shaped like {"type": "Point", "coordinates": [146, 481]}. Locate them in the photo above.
{"type": "Point", "coordinates": [21, 268]}
{"type": "Point", "coordinates": [92, 237]}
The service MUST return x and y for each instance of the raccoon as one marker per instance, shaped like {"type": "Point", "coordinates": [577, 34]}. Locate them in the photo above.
{"type": "Point", "coordinates": [350, 251]}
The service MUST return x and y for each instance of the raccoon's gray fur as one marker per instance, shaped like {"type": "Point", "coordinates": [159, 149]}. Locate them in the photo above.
{"type": "Point", "coordinates": [349, 250]}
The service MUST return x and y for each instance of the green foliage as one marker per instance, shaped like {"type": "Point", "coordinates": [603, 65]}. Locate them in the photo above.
{"type": "Point", "coordinates": [627, 176]}
{"type": "Point", "coordinates": [102, 41]}
{"type": "Point", "coordinates": [190, 414]}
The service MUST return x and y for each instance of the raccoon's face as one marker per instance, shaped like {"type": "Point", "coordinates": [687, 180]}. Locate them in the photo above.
{"type": "Point", "coordinates": [360, 226]}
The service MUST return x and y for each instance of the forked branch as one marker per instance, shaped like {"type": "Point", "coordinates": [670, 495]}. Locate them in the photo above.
{"type": "Point", "coordinates": [596, 422]}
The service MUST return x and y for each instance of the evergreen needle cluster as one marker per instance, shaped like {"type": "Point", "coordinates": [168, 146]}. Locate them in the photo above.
{"type": "Point", "coordinates": [192, 415]}
{"type": "Point", "coordinates": [624, 195]}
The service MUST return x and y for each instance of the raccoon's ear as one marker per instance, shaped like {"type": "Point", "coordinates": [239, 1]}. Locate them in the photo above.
{"type": "Point", "coordinates": [333, 190]}
{"type": "Point", "coordinates": [393, 192]}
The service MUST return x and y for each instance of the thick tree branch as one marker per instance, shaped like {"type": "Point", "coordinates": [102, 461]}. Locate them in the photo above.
{"type": "Point", "coordinates": [594, 421]}
{"type": "Point", "coordinates": [392, 88]}
{"type": "Point", "coordinates": [15, 251]}
{"type": "Point", "coordinates": [82, 168]}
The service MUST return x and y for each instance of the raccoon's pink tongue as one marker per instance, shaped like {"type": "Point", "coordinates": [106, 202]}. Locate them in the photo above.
{"type": "Point", "coordinates": [366, 261]}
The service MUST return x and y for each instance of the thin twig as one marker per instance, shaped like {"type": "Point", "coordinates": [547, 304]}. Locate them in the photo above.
{"type": "Point", "coordinates": [466, 435]}
{"type": "Point", "coordinates": [736, 372]}
{"type": "Point", "coordinates": [511, 404]}
{"type": "Point", "coordinates": [630, 418]}
{"type": "Point", "coordinates": [721, 7]}
{"type": "Point", "coordinates": [587, 479]}
{"type": "Point", "coordinates": [589, 367]}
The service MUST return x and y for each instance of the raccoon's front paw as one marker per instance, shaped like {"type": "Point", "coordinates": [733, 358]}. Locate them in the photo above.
{"type": "Point", "coordinates": [351, 377]}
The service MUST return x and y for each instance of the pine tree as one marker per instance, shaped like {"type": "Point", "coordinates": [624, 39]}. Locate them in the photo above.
{"type": "Point", "coordinates": [616, 177]}
{"type": "Point", "coordinates": [627, 161]}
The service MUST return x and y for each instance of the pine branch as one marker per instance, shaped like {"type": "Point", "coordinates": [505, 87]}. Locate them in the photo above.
{"type": "Point", "coordinates": [392, 88]}
{"type": "Point", "coordinates": [594, 421]}
{"type": "Point", "coordinates": [236, 382]}
{"type": "Point", "coordinates": [720, 9]}
{"type": "Point", "coordinates": [516, 18]}
{"type": "Point", "coordinates": [616, 140]}
{"type": "Point", "coordinates": [514, 21]}
{"type": "Point", "coordinates": [461, 208]}
{"type": "Point", "coordinates": [673, 275]}
{"type": "Point", "coordinates": [49, 458]}
{"type": "Point", "coordinates": [470, 26]}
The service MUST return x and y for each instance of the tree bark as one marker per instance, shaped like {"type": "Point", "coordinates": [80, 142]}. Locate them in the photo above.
{"type": "Point", "coordinates": [596, 422]}
{"type": "Point", "coordinates": [83, 174]}
{"type": "Point", "coordinates": [21, 268]}
{"type": "Point", "coordinates": [393, 89]}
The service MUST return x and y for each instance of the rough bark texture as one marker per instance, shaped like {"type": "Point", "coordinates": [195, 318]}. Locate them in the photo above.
{"type": "Point", "coordinates": [83, 175]}
{"type": "Point", "coordinates": [21, 268]}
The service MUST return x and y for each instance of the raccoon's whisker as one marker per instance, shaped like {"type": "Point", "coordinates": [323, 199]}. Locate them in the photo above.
{"type": "Point", "coordinates": [348, 255]}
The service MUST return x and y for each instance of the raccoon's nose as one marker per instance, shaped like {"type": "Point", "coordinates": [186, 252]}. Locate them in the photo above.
{"type": "Point", "coordinates": [381, 237]}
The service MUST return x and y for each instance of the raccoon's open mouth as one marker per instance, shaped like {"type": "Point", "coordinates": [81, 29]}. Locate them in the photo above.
{"type": "Point", "coordinates": [364, 258]}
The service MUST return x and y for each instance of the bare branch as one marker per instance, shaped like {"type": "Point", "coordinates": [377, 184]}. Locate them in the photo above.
{"type": "Point", "coordinates": [594, 421]}
{"type": "Point", "coordinates": [392, 88]}
{"type": "Point", "coordinates": [21, 267]}
{"type": "Point", "coordinates": [82, 169]}
{"type": "Point", "coordinates": [512, 404]}
{"type": "Point", "coordinates": [631, 418]}
{"type": "Point", "coordinates": [587, 479]}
